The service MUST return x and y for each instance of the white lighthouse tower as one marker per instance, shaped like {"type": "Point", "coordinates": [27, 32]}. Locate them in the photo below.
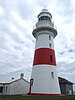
{"type": "Point", "coordinates": [44, 79]}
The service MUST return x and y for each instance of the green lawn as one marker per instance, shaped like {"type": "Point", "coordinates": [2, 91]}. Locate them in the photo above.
{"type": "Point", "coordinates": [36, 98]}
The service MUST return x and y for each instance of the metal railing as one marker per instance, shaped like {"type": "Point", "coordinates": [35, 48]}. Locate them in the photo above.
{"type": "Point", "coordinates": [44, 23]}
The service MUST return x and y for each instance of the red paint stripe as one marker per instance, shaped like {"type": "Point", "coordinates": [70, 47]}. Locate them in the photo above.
{"type": "Point", "coordinates": [41, 94]}
{"type": "Point", "coordinates": [42, 56]}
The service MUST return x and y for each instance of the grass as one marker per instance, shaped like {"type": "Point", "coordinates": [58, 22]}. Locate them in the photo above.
{"type": "Point", "coordinates": [19, 97]}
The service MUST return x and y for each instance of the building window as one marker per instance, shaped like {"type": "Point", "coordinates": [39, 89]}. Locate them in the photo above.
{"type": "Point", "coordinates": [1, 89]}
{"type": "Point", "coordinates": [6, 88]}
{"type": "Point", "coordinates": [67, 92]}
{"type": "Point", "coordinates": [52, 75]}
{"type": "Point", "coordinates": [51, 59]}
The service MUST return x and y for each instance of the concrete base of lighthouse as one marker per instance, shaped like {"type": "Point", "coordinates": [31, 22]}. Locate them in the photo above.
{"type": "Point", "coordinates": [43, 94]}
{"type": "Point", "coordinates": [45, 81]}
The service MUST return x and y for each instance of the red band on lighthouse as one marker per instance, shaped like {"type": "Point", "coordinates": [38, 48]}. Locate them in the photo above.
{"type": "Point", "coordinates": [44, 56]}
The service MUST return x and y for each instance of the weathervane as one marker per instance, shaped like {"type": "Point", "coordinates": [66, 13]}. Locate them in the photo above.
{"type": "Point", "coordinates": [45, 7]}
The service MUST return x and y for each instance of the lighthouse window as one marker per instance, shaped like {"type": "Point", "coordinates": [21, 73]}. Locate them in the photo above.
{"type": "Point", "coordinates": [52, 75]}
{"type": "Point", "coordinates": [51, 59]}
{"type": "Point", "coordinates": [49, 37]}
{"type": "Point", "coordinates": [44, 18]}
{"type": "Point", "coordinates": [50, 45]}
{"type": "Point", "coordinates": [36, 38]}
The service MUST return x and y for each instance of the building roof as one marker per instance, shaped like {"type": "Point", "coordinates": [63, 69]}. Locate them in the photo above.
{"type": "Point", "coordinates": [13, 81]}
{"type": "Point", "coordinates": [64, 81]}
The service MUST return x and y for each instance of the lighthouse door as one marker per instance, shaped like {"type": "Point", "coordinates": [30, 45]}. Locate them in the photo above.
{"type": "Point", "coordinates": [31, 83]}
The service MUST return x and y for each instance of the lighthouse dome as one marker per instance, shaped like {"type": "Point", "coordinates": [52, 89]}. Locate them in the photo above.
{"type": "Point", "coordinates": [44, 15]}
{"type": "Point", "coordinates": [44, 10]}
{"type": "Point", "coordinates": [44, 23]}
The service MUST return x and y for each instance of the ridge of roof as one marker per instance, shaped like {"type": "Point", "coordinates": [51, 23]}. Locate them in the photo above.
{"type": "Point", "coordinates": [14, 81]}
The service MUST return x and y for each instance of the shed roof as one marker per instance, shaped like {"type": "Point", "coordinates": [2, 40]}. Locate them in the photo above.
{"type": "Point", "coordinates": [64, 81]}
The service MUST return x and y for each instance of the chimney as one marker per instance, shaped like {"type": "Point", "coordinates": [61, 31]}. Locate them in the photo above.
{"type": "Point", "coordinates": [12, 78]}
{"type": "Point", "coordinates": [21, 76]}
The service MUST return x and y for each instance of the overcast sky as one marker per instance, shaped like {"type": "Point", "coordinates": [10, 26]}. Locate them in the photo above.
{"type": "Point", "coordinates": [17, 45]}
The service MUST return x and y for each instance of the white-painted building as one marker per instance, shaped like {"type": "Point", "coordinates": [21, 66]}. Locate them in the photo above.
{"type": "Point", "coordinates": [19, 86]}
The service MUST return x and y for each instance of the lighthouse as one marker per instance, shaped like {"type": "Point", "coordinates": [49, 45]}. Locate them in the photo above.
{"type": "Point", "coordinates": [44, 79]}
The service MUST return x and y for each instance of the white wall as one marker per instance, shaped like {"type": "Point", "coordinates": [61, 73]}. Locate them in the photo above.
{"type": "Point", "coordinates": [43, 81]}
{"type": "Point", "coordinates": [17, 87]}
{"type": "Point", "coordinates": [42, 41]}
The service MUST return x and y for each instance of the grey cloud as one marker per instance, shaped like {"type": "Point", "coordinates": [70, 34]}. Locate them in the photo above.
{"type": "Point", "coordinates": [25, 9]}
{"type": "Point", "coordinates": [44, 3]}
{"type": "Point", "coordinates": [6, 77]}
{"type": "Point", "coordinates": [66, 7]}
{"type": "Point", "coordinates": [2, 3]}
{"type": "Point", "coordinates": [66, 11]}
